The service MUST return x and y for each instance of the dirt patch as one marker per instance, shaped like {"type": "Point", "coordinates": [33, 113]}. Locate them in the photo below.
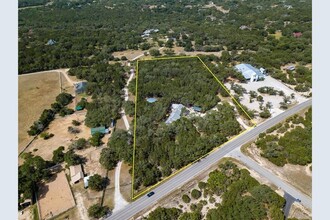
{"type": "Point", "coordinates": [289, 172]}
{"type": "Point", "coordinates": [129, 54]}
{"type": "Point", "coordinates": [125, 182]}
{"type": "Point", "coordinates": [219, 8]}
{"type": "Point", "coordinates": [277, 35]}
{"type": "Point", "coordinates": [69, 215]}
{"type": "Point", "coordinates": [120, 124]}
{"type": "Point", "coordinates": [55, 197]}
{"type": "Point", "coordinates": [59, 127]}
{"type": "Point", "coordinates": [26, 214]}
{"type": "Point", "coordinates": [36, 92]}
{"type": "Point", "coordinates": [299, 212]}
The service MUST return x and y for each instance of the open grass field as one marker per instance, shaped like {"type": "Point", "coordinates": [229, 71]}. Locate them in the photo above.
{"type": "Point", "coordinates": [35, 93]}
{"type": "Point", "coordinates": [55, 197]}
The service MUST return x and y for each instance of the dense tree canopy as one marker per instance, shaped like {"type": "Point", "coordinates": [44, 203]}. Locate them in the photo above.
{"type": "Point", "coordinates": [294, 147]}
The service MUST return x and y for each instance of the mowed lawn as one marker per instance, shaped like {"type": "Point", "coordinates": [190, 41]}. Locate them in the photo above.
{"type": "Point", "coordinates": [36, 92]}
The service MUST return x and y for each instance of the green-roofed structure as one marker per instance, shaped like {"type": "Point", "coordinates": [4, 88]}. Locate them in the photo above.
{"type": "Point", "coordinates": [101, 129]}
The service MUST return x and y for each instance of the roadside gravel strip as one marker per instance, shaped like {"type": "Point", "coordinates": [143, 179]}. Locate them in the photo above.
{"type": "Point", "coordinates": [203, 165]}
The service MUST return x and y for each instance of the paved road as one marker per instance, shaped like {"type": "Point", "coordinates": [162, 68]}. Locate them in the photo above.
{"type": "Point", "coordinates": [196, 169]}
{"type": "Point", "coordinates": [289, 201]}
{"type": "Point", "coordinates": [253, 165]}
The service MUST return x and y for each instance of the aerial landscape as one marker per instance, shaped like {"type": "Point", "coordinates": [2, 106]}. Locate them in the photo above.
{"type": "Point", "coordinates": [164, 109]}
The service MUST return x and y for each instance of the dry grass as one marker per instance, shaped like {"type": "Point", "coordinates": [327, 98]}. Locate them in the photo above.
{"type": "Point", "coordinates": [129, 54]}
{"type": "Point", "coordinates": [62, 137]}
{"type": "Point", "coordinates": [299, 212]}
{"type": "Point", "coordinates": [125, 182]}
{"type": "Point", "coordinates": [68, 215]}
{"type": "Point", "coordinates": [55, 197]}
{"type": "Point", "coordinates": [297, 175]}
{"type": "Point", "coordinates": [36, 92]}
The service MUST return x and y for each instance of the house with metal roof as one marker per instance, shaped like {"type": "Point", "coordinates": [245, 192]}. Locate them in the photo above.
{"type": "Point", "coordinates": [175, 114]}
{"type": "Point", "coordinates": [249, 72]}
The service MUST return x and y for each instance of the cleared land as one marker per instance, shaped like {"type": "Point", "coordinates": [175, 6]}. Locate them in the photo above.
{"type": "Point", "coordinates": [59, 127]}
{"type": "Point", "coordinates": [55, 197]}
{"type": "Point", "coordinates": [36, 92]}
{"type": "Point", "coordinates": [289, 172]}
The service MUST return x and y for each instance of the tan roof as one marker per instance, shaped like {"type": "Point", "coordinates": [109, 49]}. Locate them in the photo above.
{"type": "Point", "coordinates": [76, 173]}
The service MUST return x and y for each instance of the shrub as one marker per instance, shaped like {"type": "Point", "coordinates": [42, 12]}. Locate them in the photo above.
{"type": "Point", "coordinates": [196, 194]}
{"type": "Point", "coordinates": [97, 211]}
{"type": "Point", "coordinates": [46, 135]}
{"type": "Point", "coordinates": [186, 198]}
{"type": "Point", "coordinates": [76, 123]}
{"type": "Point", "coordinates": [96, 182]}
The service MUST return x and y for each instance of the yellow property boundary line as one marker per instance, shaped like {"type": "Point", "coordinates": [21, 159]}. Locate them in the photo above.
{"type": "Point", "coordinates": [134, 138]}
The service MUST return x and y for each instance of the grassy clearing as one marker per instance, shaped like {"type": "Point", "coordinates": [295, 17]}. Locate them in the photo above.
{"type": "Point", "coordinates": [35, 93]}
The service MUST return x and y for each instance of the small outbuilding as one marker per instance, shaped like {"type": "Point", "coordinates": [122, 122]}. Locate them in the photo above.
{"type": "Point", "coordinates": [101, 129]}
{"type": "Point", "coordinates": [51, 42]}
{"type": "Point", "coordinates": [86, 178]}
{"type": "Point", "coordinates": [76, 173]}
{"type": "Point", "coordinates": [197, 108]}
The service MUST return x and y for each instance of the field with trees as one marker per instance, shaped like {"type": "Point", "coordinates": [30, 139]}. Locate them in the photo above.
{"type": "Point", "coordinates": [242, 197]}
{"type": "Point", "coordinates": [163, 148]}
{"type": "Point", "coordinates": [86, 32]}
{"type": "Point", "coordinates": [294, 146]}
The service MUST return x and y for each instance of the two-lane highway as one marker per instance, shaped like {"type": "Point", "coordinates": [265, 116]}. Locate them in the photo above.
{"type": "Point", "coordinates": [197, 168]}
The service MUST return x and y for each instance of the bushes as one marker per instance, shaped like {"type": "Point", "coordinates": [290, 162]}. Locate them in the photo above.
{"type": "Point", "coordinates": [196, 194]}
{"type": "Point", "coordinates": [58, 155]}
{"type": "Point", "coordinates": [96, 139]}
{"type": "Point", "coordinates": [64, 98]}
{"type": "Point", "coordinates": [96, 182]}
{"type": "Point", "coordinates": [97, 211]}
{"type": "Point", "coordinates": [186, 198]}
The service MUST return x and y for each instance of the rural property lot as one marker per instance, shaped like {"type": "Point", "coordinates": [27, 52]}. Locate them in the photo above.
{"type": "Point", "coordinates": [55, 197]}
{"type": "Point", "coordinates": [179, 117]}
{"type": "Point", "coordinates": [36, 92]}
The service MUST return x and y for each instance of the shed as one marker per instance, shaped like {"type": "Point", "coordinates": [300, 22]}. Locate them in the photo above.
{"type": "Point", "coordinates": [101, 129]}
{"type": "Point", "coordinates": [76, 173]}
{"type": "Point", "coordinates": [249, 72]}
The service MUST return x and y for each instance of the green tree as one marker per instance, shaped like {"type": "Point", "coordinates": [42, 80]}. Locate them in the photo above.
{"type": "Point", "coordinates": [154, 52]}
{"type": "Point", "coordinates": [96, 182]}
{"type": "Point", "coordinates": [64, 98]}
{"type": "Point", "coordinates": [58, 155]}
{"type": "Point", "coordinates": [96, 139]}
{"type": "Point", "coordinates": [97, 211]}
{"type": "Point", "coordinates": [196, 194]}
{"type": "Point", "coordinates": [108, 158]}
{"type": "Point", "coordinates": [164, 213]}
{"type": "Point", "coordinates": [71, 158]}
{"type": "Point", "coordinates": [30, 174]}
{"type": "Point", "coordinates": [79, 144]}
{"type": "Point", "coordinates": [186, 198]}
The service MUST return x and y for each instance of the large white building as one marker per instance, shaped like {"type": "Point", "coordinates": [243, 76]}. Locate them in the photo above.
{"type": "Point", "coordinates": [249, 72]}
